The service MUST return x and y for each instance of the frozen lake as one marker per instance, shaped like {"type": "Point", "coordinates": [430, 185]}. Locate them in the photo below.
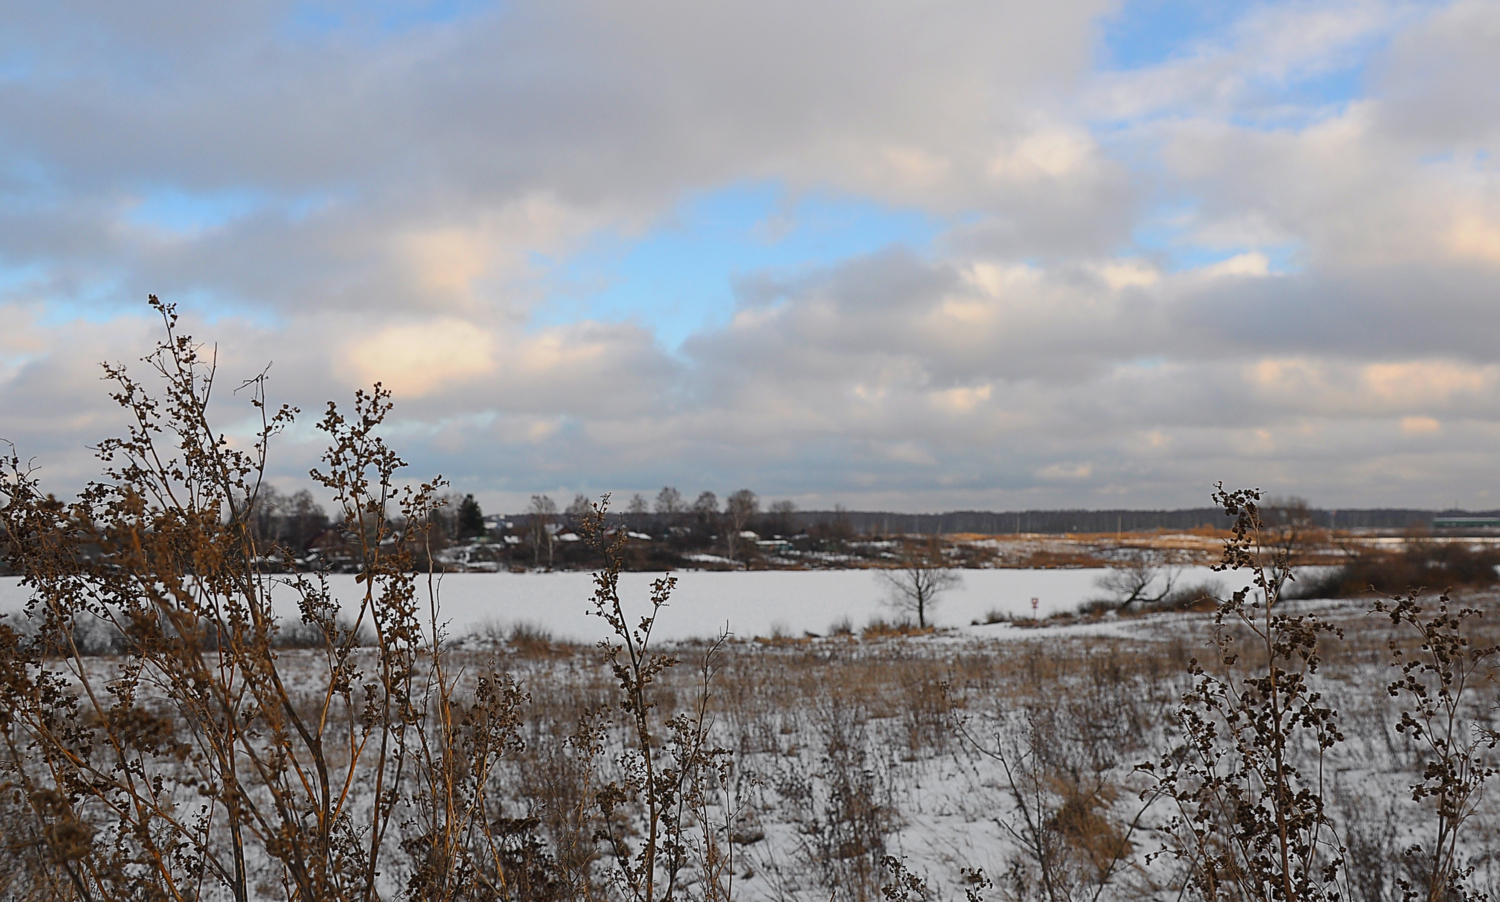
{"type": "Point", "coordinates": [750, 604]}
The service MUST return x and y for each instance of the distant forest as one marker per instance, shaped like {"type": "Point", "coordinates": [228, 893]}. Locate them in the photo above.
{"type": "Point", "coordinates": [1058, 522]}
{"type": "Point", "coordinates": [1103, 521]}
{"type": "Point", "coordinates": [297, 518]}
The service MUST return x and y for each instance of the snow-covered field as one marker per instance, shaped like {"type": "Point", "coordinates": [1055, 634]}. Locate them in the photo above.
{"type": "Point", "coordinates": [755, 603]}
{"type": "Point", "coordinates": [843, 749]}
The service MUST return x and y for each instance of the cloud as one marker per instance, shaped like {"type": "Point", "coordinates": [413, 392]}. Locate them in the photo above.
{"type": "Point", "coordinates": [1267, 258]}
{"type": "Point", "coordinates": [1251, 264]}
{"type": "Point", "coordinates": [1049, 154]}
{"type": "Point", "coordinates": [1065, 472]}
{"type": "Point", "coordinates": [414, 360]}
{"type": "Point", "coordinates": [1475, 236]}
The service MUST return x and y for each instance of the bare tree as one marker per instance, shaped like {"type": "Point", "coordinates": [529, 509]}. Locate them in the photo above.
{"type": "Point", "coordinates": [540, 520]}
{"type": "Point", "coordinates": [637, 511]}
{"type": "Point", "coordinates": [265, 511]}
{"type": "Point", "coordinates": [1287, 526]}
{"type": "Point", "coordinates": [739, 509]}
{"type": "Point", "coordinates": [915, 583]}
{"type": "Point", "coordinates": [706, 506]}
{"type": "Point", "coordinates": [1280, 513]}
{"type": "Point", "coordinates": [444, 517]}
{"type": "Point", "coordinates": [669, 502]}
{"type": "Point", "coordinates": [781, 516]}
{"type": "Point", "coordinates": [305, 518]}
{"type": "Point", "coordinates": [836, 530]}
{"type": "Point", "coordinates": [579, 511]}
{"type": "Point", "coordinates": [1142, 578]}
{"type": "Point", "coordinates": [284, 520]}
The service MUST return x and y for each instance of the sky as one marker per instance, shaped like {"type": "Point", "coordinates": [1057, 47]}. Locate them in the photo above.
{"type": "Point", "coordinates": [891, 254]}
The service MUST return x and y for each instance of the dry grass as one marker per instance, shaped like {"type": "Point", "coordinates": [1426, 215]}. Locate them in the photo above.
{"type": "Point", "coordinates": [845, 750]}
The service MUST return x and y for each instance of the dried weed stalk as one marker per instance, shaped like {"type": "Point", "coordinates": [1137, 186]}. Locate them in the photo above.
{"type": "Point", "coordinates": [668, 771]}
{"type": "Point", "coordinates": [1455, 754]}
{"type": "Point", "coordinates": [204, 760]}
{"type": "Point", "coordinates": [1248, 778]}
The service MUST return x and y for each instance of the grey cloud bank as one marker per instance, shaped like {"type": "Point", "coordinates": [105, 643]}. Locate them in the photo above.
{"type": "Point", "coordinates": [363, 201]}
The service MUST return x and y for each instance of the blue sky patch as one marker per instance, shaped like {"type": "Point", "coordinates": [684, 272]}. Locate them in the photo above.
{"type": "Point", "coordinates": [184, 212]}
{"type": "Point", "coordinates": [1146, 33]}
{"type": "Point", "coordinates": [1165, 235]}
{"type": "Point", "coordinates": [14, 277]}
{"type": "Point", "coordinates": [97, 301]}
{"type": "Point", "coordinates": [679, 278]}
{"type": "Point", "coordinates": [382, 18]}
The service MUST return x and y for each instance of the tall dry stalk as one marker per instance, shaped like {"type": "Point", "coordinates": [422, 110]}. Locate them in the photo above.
{"type": "Point", "coordinates": [668, 768]}
{"type": "Point", "coordinates": [1248, 776]}
{"type": "Point", "coordinates": [203, 761]}
{"type": "Point", "coordinates": [1436, 680]}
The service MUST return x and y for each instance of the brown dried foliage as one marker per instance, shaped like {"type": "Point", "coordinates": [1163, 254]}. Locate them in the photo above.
{"type": "Point", "coordinates": [205, 759]}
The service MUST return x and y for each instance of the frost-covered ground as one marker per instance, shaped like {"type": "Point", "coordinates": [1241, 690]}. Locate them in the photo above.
{"type": "Point", "coordinates": [846, 750]}
{"type": "Point", "coordinates": [950, 751]}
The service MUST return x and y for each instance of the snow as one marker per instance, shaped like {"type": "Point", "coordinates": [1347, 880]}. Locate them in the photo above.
{"type": "Point", "coordinates": [747, 603]}
{"type": "Point", "coordinates": [816, 724]}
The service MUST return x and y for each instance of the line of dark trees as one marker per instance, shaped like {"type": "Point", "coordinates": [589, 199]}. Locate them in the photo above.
{"type": "Point", "coordinates": [671, 531]}
{"type": "Point", "coordinates": [296, 519]}
{"type": "Point", "coordinates": [1105, 521]}
{"type": "Point", "coordinates": [783, 518]}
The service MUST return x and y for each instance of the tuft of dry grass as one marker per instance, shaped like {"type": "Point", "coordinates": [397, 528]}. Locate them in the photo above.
{"type": "Point", "coordinates": [880, 628]}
